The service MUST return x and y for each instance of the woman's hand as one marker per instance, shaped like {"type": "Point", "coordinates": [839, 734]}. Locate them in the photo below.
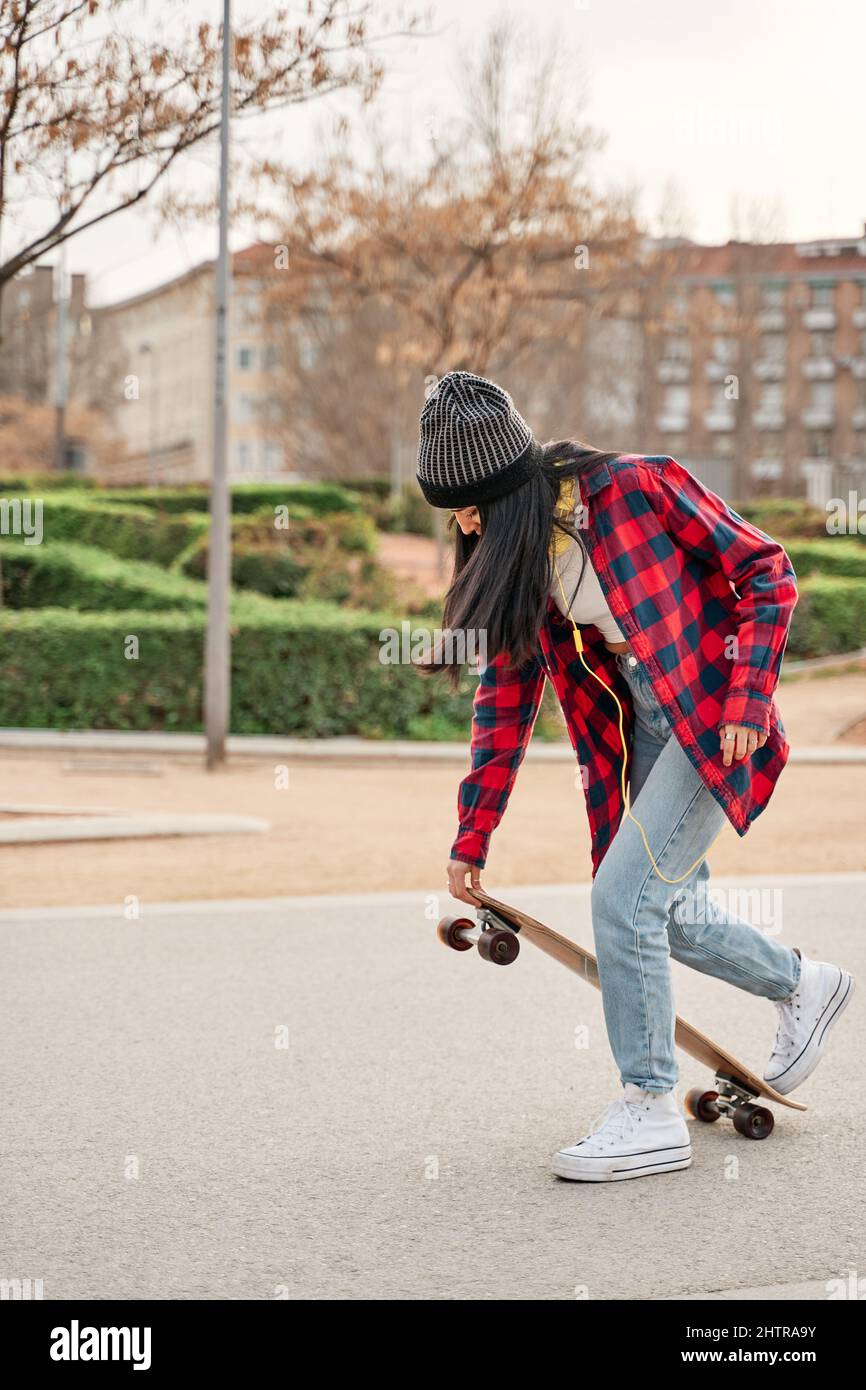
{"type": "Point", "coordinates": [457, 871]}
{"type": "Point", "coordinates": [739, 741]}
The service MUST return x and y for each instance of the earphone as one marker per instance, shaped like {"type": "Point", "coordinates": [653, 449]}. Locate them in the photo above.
{"type": "Point", "coordinates": [578, 642]}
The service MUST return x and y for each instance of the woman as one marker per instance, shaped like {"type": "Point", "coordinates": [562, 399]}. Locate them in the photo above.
{"type": "Point", "coordinates": [660, 617]}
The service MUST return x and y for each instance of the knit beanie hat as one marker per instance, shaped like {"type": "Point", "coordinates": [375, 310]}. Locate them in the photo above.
{"type": "Point", "coordinates": [474, 446]}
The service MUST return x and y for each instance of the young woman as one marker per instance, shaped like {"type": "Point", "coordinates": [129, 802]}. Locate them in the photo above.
{"type": "Point", "coordinates": [660, 617]}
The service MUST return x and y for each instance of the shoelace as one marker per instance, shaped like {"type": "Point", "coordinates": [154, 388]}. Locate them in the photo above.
{"type": "Point", "coordinates": [616, 1123]}
{"type": "Point", "coordinates": [789, 1022]}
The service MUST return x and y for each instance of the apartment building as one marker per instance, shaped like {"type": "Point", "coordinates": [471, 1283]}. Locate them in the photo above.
{"type": "Point", "coordinates": [755, 367]}
{"type": "Point", "coordinates": [160, 349]}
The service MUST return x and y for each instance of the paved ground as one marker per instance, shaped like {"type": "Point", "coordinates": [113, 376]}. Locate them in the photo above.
{"type": "Point", "coordinates": [157, 1143]}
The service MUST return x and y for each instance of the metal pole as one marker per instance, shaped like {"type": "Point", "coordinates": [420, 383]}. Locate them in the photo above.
{"type": "Point", "coordinates": [217, 648]}
{"type": "Point", "coordinates": [60, 373]}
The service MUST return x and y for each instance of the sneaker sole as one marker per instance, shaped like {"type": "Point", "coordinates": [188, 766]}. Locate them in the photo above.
{"type": "Point", "coordinates": [834, 1013]}
{"type": "Point", "coordinates": [566, 1168]}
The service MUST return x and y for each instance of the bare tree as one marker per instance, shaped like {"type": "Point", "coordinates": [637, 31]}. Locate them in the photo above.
{"type": "Point", "coordinates": [94, 111]}
{"type": "Point", "coordinates": [498, 244]}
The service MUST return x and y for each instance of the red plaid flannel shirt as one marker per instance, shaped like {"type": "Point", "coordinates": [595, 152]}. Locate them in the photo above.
{"type": "Point", "coordinates": [705, 601]}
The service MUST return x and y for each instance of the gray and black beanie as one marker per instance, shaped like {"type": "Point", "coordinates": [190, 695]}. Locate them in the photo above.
{"type": "Point", "coordinates": [474, 446]}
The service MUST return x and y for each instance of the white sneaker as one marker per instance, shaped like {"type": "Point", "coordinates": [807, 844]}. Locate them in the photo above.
{"type": "Point", "coordinates": [643, 1132]}
{"type": "Point", "coordinates": [822, 994]}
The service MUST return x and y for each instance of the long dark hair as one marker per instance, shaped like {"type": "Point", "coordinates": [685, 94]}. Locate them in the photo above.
{"type": "Point", "coordinates": [502, 577]}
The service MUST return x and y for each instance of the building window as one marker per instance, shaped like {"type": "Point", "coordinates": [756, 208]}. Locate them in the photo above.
{"type": "Point", "coordinates": [725, 296]}
{"type": "Point", "coordinates": [273, 457]}
{"type": "Point", "coordinates": [678, 304]}
{"type": "Point", "coordinates": [772, 395]}
{"type": "Point", "coordinates": [248, 309]}
{"type": "Point", "coordinates": [822, 296]}
{"type": "Point", "coordinates": [243, 456]}
{"type": "Point", "coordinates": [770, 446]}
{"type": "Point", "coordinates": [245, 359]}
{"type": "Point", "coordinates": [822, 395]}
{"type": "Point", "coordinates": [677, 349]}
{"type": "Point", "coordinates": [725, 349]}
{"type": "Point", "coordinates": [773, 347]}
{"type": "Point", "coordinates": [819, 445]}
{"type": "Point", "coordinates": [246, 409]}
{"type": "Point", "coordinates": [719, 401]}
{"type": "Point", "coordinates": [772, 296]}
{"type": "Point", "coordinates": [821, 344]}
{"type": "Point", "coordinates": [677, 400]}
{"type": "Point", "coordinates": [271, 358]}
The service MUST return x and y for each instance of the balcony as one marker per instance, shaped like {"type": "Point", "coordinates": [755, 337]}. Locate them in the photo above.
{"type": "Point", "coordinates": [819, 320]}
{"type": "Point", "coordinates": [819, 368]}
{"type": "Point", "coordinates": [771, 320]}
{"type": "Point", "coordinates": [674, 369]}
{"type": "Point", "coordinates": [672, 421]}
{"type": "Point", "coordinates": [718, 420]}
{"type": "Point", "coordinates": [818, 417]}
{"type": "Point", "coordinates": [769, 417]}
{"type": "Point", "coordinates": [769, 368]}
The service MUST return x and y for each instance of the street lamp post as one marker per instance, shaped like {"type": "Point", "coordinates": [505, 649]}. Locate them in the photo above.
{"type": "Point", "coordinates": [217, 645]}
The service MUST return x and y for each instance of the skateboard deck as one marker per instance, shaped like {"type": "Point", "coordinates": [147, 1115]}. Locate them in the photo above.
{"type": "Point", "coordinates": [497, 935]}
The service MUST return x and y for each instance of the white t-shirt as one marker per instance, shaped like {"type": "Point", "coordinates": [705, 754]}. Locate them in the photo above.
{"type": "Point", "coordinates": [590, 604]}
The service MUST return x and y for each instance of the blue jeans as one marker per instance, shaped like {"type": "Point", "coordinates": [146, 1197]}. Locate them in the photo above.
{"type": "Point", "coordinates": [639, 921]}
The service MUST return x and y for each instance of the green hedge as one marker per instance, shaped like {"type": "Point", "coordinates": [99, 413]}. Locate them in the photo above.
{"type": "Point", "coordinates": [318, 498]}
{"type": "Point", "coordinates": [18, 485]}
{"type": "Point", "coordinates": [327, 557]}
{"type": "Point", "coordinates": [310, 670]}
{"type": "Point", "coordinates": [79, 576]}
{"type": "Point", "coordinates": [788, 518]}
{"type": "Point", "coordinates": [830, 617]}
{"type": "Point", "coordinates": [133, 533]}
{"type": "Point", "coordinates": [834, 556]}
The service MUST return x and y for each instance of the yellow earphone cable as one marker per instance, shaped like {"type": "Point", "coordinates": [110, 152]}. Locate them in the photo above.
{"type": "Point", "coordinates": [578, 642]}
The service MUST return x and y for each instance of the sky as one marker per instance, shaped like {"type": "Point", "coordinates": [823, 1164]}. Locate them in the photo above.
{"type": "Point", "coordinates": [724, 105]}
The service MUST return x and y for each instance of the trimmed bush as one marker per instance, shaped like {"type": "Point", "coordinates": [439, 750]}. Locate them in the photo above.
{"type": "Point", "coordinates": [318, 498]}
{"type": "Point", "coordinates": [830, 617]}
{"type": "Point", "coordinates": [787, 518]}
{"type": "Point", "coordinates": [408, 512]}
{"type": "Point", "coordinates": [34, 484]}
{"type": "Point", "coordinates": [351, 531]}
{"type": "Point", "coordinates": [317, 558]}
{"type": "Point", "coordinates": [132, 533]}
{"type": "Point", "coordinates": [836, 555]}
{"type": "Point", "coordinates": [79, 576]}
{"type": "Point", "coordinates": [373, 486]}
{"type": "Point", "coordinates": [311, 670]}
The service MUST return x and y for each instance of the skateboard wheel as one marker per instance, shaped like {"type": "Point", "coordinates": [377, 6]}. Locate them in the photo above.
{"type": "Point", "coordinates": [448, 929]}
{"type": "Point", "coordinates": [498, 945]}
{"type": "Point", "coordinates": [701, 1105]}
{"type": "Point", "coordinates": [753, 1121]}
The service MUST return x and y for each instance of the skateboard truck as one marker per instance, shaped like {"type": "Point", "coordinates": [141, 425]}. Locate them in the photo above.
{"type": "Point", "coordinates": [735, 1100]}
{"type": "Point", "coordinates": [496, 943]}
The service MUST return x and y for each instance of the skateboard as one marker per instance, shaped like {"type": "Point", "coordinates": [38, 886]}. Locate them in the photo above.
{"type": "Point", "coordinates": [497, 934]}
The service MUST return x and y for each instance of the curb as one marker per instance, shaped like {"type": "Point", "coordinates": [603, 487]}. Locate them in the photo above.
{"type": "Point", "coordinates": [324, 749]}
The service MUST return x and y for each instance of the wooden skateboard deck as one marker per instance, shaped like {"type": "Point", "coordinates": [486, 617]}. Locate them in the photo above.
{"type": "Point", "coordinates": [737, 1084]}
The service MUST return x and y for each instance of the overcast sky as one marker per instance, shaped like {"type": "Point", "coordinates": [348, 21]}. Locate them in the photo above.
{"type": "Point", "coordinates": [732, 103]}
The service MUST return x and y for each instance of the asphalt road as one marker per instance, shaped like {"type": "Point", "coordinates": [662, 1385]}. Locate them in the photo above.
{"type": "Point", "coordinates": [314, 1099]}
